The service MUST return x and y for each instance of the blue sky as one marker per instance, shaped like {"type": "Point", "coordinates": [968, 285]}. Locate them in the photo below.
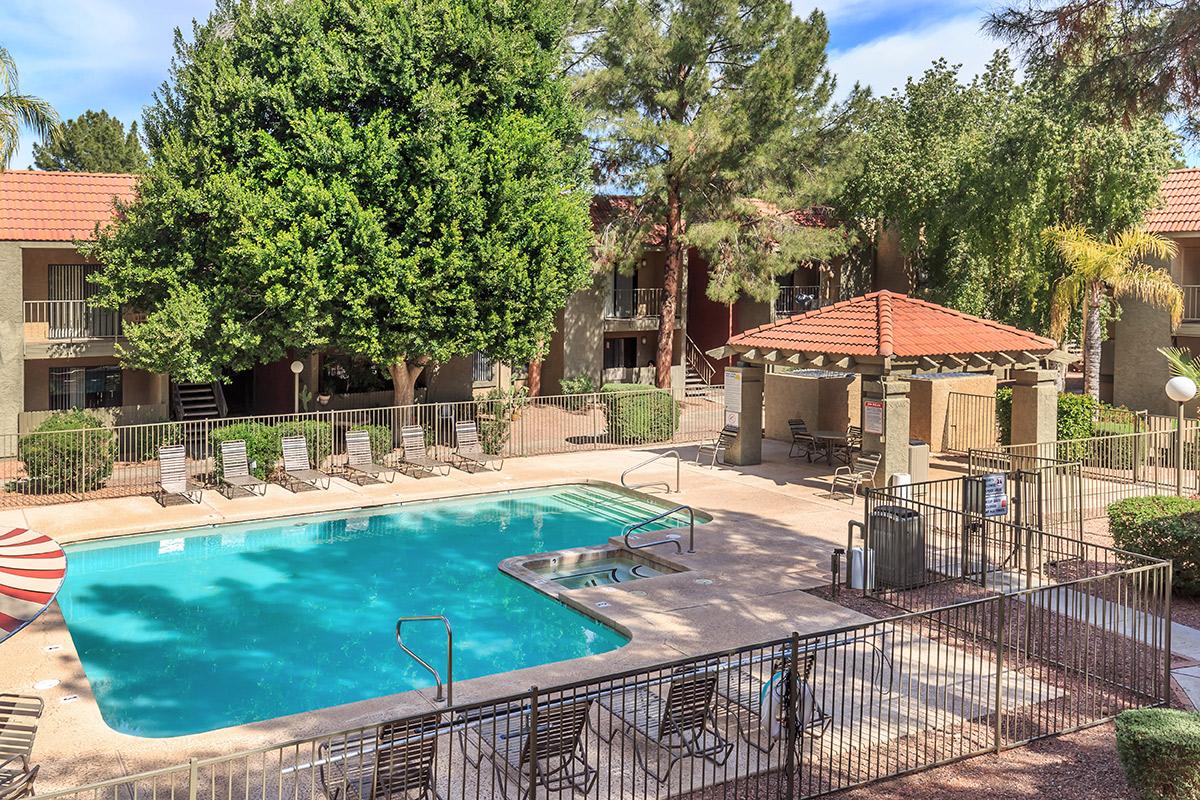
{"type": "Point", "coordinates": [113, 54]}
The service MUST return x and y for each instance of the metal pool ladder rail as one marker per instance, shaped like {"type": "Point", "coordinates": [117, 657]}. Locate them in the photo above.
{"type": "Point", "coordinates": [678, 547]}
{"type": "Point", "coordinates": [649, 461]}
{"type": "Point", "coordinates": [449, 654]}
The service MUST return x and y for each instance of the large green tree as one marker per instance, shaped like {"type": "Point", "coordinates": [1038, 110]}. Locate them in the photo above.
{"type": "Point", "coordinates": [967, 176]}
{"type": "Point", "coordinates": [92, 142]}
{"type": "Point", "coordinates": [712, 116]}
{"type": "Point", "coordinates": [404, 180]}
{"type": "Point", "coordinates": [19, 110]}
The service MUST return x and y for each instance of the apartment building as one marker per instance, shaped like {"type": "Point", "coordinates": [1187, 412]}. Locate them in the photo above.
{"type": "Point", "coordinates": [1133, 374]}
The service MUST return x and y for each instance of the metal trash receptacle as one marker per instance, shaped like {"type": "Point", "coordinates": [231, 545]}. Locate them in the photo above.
{"type": "Point", "coordinates": [918, 460]}
{"type": "Point", "coordinates": [898, 539]}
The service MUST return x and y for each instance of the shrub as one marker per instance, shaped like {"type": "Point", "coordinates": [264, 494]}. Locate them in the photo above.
{"type": "Point", "coordinates": [579, 385]}
{"type": "Point", "coordinates": [1159, 749]}
{"type": "Point", "coordinates": [639, 414]}
{"type": "Point", "coordinates": [318, 435]}
{"type": "Point", "coordinates": [1076, 415]}
{"type": "Point", "coordinates": [1004, 414]}
{"type": "Point", "coordinates": [263, 447]}
{"type": "Point", "coordinates": [380, 436]}
{"type": "Point", "coordinates": [494, 415]}
{"type": "Point", "coordinates": [1163, 527]}
{"type": "Point", "coordinates": [70, 451]}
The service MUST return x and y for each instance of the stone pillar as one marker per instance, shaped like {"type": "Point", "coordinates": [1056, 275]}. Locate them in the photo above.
{"type": "Point", "coordinates": [744, 408]}
{"type": "Point", "coordinates": [892, 393]}
{"type": "Point", "coordinates": [1034, 406]}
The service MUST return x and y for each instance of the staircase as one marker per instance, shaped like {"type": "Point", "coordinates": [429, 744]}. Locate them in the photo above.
{"type": "Point", "coordinates": [699, 370]}
{"type": "Point", "coordinates": [191, 401]}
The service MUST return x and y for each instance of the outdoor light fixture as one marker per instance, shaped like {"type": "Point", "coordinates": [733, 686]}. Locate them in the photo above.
{"type": "Point", "coordinates": [297, 368]}
{"type": "Point", "coordinates": [1181, 389]}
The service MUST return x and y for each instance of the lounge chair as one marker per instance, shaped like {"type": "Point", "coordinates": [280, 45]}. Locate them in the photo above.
{"type": "Point", "coordinates": [760, 690]}
{"type": "Point", "coordinates": [396, 759]}
{"type": "Point", "coordinates": [19, 715]}
{"type": "Point", "coordinates": [717, 446]}
{"type": "Point", "coordinates": [682, 724]}
{"type": "Point", "coordinates": [173, 480]}
{"type": "Point", "coordinates": [297, 470]}
{"type": "Point", "coordinates": [235, 471]}
{"type": "Point", "coordinates": [803, 443]}
{"type": "Point", "coordinates": [468, 451]}
{"type": "Point", "coordinates": [558, 748]}
{"type": "Point", "coordinates": [414, 455]}
{"type": "Point", "coordinates": [862, 471]}
{"type": "Point", "coordinates": [360, 461]}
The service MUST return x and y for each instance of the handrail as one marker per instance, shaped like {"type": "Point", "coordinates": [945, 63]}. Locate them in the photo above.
{"type": "Point", "coordinates": [699, 361]}
{"type": "Point", "coordinates": [449, 653]}
{"type": "Point", "coordinates": [649, 461]}
{"type": "Point", "coordinates": [678, 547]}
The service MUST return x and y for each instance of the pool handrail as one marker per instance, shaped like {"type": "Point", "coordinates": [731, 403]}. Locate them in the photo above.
{"type": "Point", "coordinates": [629, 529]}
{"type": "Point", "coordinates": [648, 462]}
{"type": "Point", "coordinates": [449, 695]}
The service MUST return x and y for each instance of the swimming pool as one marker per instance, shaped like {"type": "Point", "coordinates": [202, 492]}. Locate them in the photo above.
{"type": "Point", "coordinates": [183, 632]}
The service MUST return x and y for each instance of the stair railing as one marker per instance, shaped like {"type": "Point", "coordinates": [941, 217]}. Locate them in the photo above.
{"type": "Point", "coordinates": [698, 361]}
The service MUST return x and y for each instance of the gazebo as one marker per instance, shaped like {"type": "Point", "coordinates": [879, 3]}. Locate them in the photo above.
{"type": "Point", "coordinates": [887, 337]}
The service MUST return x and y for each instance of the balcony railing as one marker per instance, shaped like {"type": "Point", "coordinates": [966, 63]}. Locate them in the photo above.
{"type": "Point", "coordinates": [637, 303]}
{"type": "Point", "coordinates": [797, 300]}
{"type": "Point", "coordinates": [1191, 303]}
{"type": "Point", "coordinates": [66, 320]}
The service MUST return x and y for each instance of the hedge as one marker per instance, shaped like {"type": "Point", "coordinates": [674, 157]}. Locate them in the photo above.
{"type": "Point", "coordinates": [1159, 749]}
{"type": "Point", "coordinates": [263, 447]}
{"type": "Point", "coordinates": [381, 439]}
{"type": "Point", "coordinates": [639, 414]}
{"type": "Point", "coordinates": [1162, 527]}
{"type": "Point", "coordinates": [71, 451]}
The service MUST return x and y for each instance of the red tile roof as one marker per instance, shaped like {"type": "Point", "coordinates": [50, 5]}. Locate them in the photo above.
{"type": "Point", "coordinates": [58, 206]}
{"type": "Point", "coordinates": [1180, 199]}
{"type": "Point", "coordinates": [890, 324]}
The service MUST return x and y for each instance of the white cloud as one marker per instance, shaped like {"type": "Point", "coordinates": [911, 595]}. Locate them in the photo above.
{"type": "Point", "coordinates": [844, 11]}
{"type": "Point", "coordinates": [886, 62]}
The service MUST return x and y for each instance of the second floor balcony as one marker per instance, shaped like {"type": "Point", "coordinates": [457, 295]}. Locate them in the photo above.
{"type": "Point", "coordinates": [796, 300]}
{"type": "Point", "coordinates": [68, 328]}
{"type": "Point", "coordinates": [637, 304]}
{"type": "Point", "coordinates": [1191, 303]}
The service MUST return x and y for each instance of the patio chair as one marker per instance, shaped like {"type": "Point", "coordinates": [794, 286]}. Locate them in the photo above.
{"type": "Point", "coordinates": [360, 462]}
{"type": "Point", "coordinates": [557, 749]}
{"type": "Point", "coordinates": [396, 759]}
{"type": "Point", "coordinates": [862, 471]}
{"type": "Point", "coordinates": [19, 715]}
{"type": "Point", "coordinates": [717, 446]}
{"type": "Point", "coordinates": [803, 443]}
{"type": "Point", "coordinates": [297, 469]}
{"type": "Point", "coordinates": [173, 480]}
{"type": "Point", "coordinates": [235, 471]}
{"type": "Point", "coordinates": [852, 445]}
{"type": "Point", "coordinates": [760, 690]}
{"type": "Point", "coordinates": [681, 725]}
{"type": "Point", "coordinates": [468, 450]}
{"type": "Point", "coordinates": [414, 454]}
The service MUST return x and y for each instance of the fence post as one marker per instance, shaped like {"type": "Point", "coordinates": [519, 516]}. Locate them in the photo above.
{"type": "Point", "coordinates": [193, 776]}
{"type": "Point", "coordinates": [533, 743]}
{"type": "Point", "coordinates": [1166, 693]}
{"type": "Point", "coordinates": [81, 486]}
{"type": "Point", "coordinates": [791, 726]}
{"type": "Point", "coordinates": [999, 670]}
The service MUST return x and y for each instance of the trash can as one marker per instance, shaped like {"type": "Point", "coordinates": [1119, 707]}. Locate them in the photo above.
{"type": "Point", "coordinates": [898, 539]}
{"type": "Point", "coordinates": [918, 460]}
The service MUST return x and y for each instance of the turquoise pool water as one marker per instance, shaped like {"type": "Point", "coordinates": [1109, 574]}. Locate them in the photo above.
{"type": "Point", "coordinates": [187, 632]}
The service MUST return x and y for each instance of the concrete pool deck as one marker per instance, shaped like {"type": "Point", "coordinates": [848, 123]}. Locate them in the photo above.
{"type": "Point", "coordinates": [770, 538]}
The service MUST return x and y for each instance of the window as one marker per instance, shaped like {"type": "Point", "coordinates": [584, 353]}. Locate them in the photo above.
{"type": "Point", "coordinates": [483, 369]}
{"type": "Point", "coordinates": [620, 352]}
{"type": "Point", "coordinates": [84, 387]}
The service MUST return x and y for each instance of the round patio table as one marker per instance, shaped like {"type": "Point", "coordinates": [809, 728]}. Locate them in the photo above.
{"type": "Point", "coordinates": [827, 440]}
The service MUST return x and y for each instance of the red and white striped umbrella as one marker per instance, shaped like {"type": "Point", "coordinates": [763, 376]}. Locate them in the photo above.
{"type": "Point", "coordinates": [32, 568]}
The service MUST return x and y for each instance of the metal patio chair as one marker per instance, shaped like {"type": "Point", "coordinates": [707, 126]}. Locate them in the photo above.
{"type": "Point", "coordinates": [360, 461]}
{"type": "Point", "coordinates": [297, 469]}
{"type": "Point", "coordinates": [414, 454]}
{"type": "Point", "coordinates": [852, 445]}
{"type": "Point", "coordinates": [557, 750]}
{"type": "Point", "coordinates": [235, 471]}
{"type": "Point", "coordinates": [396, 759]}
{"type": "Point", "coordinates": [863, 470]}
{"type": "Point", "coordinates": [718, 446]}
{"type": "Point", "coordinates": [173, 480]}
{"type": "Point", "coordinates": [681, 725]}
{"type": "Point", "coordinates": [19, 715]}
{"type": "Point", "coordinates": [803, 443]}
{"type": "Point", "coordinates": [468, 450]}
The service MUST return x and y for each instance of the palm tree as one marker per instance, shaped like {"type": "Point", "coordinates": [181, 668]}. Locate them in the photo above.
{"type": "Point", "coordinates": [20, 111]}
{"type": "Point", "coordinates": [1097, 268]}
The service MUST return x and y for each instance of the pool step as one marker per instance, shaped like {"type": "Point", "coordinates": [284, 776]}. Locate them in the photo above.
{"type": "Point", "coordinates": [619, 509]}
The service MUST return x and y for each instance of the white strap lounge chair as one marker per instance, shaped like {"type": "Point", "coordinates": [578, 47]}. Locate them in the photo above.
{"type": "Point", "coordinates": [717, 446]}
{"type": "Point", "coordinates": [558, 748]}
{"type": "Point", "coordinates": [235, 471]}
{"type": "Point", "coordinates": [862, 471]}
{"type": "Point", "coordinates": [360, 462]}
{"type": "Point", "coordinates": [19, 715]}
{"type": "Point", "coordinates": [173, 480]}
{"type": "Point", "coordinates": [297, 469]}
{"type": "Point", "coordinates": [469, 452]}
{"type": "Point", "coordinates": [415, 457]}
{"type": "Point", "coordinates": [396, 759]}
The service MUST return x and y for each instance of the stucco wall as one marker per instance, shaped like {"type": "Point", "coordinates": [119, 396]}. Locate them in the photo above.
{"type": "Point", "coordinates": [1139, 372]}
{"type": "Point", "coordinates": [929, 401]}
{"type": "Point", "coordinates": [828, 403]}
{"type": "Point", "coordinates": [890, 272]}
{"type": "Point", "coordinates": [12, 351]}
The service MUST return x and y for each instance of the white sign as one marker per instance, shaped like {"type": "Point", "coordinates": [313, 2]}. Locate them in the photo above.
{"type": "Point", "coordinates": [733, 419]}
{"type": "Point", "coordinates": [995, 495]}
{"type": "Point", "coordinates": [733, 391]}
{"type": "Point", "coordinates": [873, 417]}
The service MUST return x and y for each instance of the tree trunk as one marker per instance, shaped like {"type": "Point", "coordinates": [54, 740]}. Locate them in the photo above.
{"type": "Point", "coordinates": [1092, 336]}
{"type": "Point", "coordinates": [533, 378]}
{"type": "Point", "coordinates": [672, 274]}
{"type": "Point", "coordinates": [404, 380]}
